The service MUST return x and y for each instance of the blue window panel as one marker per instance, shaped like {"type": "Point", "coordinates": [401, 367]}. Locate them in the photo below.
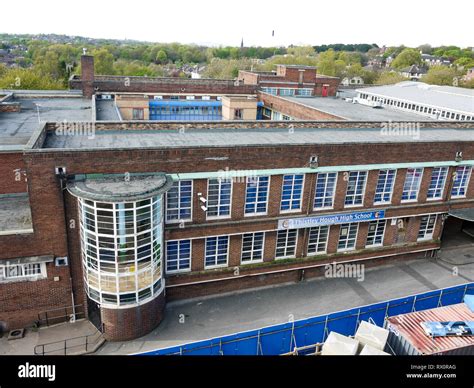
{"type": "Point", "coordinates": [216, 251]}
{"type": "Point", "coordinates": [256, 195]}
{"type": "Point", "coordinates": [384, 187]}
{"type": "Point", "coordinates": [291, 192]}
{"type": "Point", "coordinates": [178, 255]}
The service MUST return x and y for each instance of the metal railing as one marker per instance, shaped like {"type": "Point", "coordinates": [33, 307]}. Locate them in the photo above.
{"type": "Point", "coordinates": [60, 315]}
{"type": "Point", "coordinates": [75, 345]}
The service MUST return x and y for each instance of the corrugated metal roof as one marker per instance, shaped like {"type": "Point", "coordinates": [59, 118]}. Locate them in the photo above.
{"type": "Point", "coordinates": [409, 326]}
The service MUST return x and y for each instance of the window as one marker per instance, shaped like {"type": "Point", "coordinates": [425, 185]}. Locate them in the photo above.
{"type": "Point", "coordinates": [412, 184]}
{"type": "Point", "coordinates": [189, 97]}
{"type": "Point", "coordinates": [347, 237]}
{"type": "Point", "coordinates": [238, 114]}
{"type": "Point", "coordinates": [179, 202]}
{"type": "Point", "coordinates": [219, 198]}
{"type": "Point", "coordinates": [287, 92]}
{"type": "Point", "coordinates": [178, 256]}
{"type": "Point", "coordinates": [17, 272]}
{"type": "Point", "coordinates": [217, 249]}
{"type": "Point", "coordinates": [252, 247]}
{"type": "Point", "coordinates": [384, 189]}
{"type": "Point", "coordinates": [137, 113]}
{"type": "Point", "coordinates": [427, 227]}
{"type": "Point", "coordinates": [375, 233]}
{"type": "Point", "coordinates": [438, 179]}
{"type": "Point", "coordinates": [461, 180]}
{"type": "Point", "coordinates": [256, 196]}
{"type": "Point", "coordinates": [305, 92]}
{"type": "Point", "coordinates": [325, 189]}
{"type": "Point", "coordinates": [286, 243]}
{"type": "Point", "coordinates": [318, 240]}
{"type": "Point", "coordinates": [292, 192]}
{"type": "Point", "coordinates": [273, 91]}
{"type": "Point", "coordinates": [355, 188]}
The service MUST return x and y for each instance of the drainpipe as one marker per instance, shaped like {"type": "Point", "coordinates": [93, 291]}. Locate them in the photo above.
{"type": "Point", "coordinates": [61, 173]}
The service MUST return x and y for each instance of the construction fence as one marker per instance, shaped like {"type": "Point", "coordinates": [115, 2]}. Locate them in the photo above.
{"type": "Point", "coordinates": [283, 338]}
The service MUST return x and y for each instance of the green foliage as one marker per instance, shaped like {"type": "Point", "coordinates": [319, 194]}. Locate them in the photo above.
{"type": "Point", "coordinates": [441, 75]}
{"type": "Point", "coordinates": [407, 58]}
{"type": "Point", "coordinates": [161, 56]}
{"type": "Point", "coordinates": [103, 61]}
{"type": "Point", "coordinates": [226, 68]}
{"type": "Point", "coordinates": [18, 78]}
{"type": "Point", "coordinates": [389, 77]}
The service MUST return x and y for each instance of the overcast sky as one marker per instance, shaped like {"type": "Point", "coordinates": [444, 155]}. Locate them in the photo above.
{"type": "Point", "coordinates": [224, 22]}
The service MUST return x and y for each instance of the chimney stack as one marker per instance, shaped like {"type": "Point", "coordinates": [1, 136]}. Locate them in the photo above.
{"type": "Point", "coordinates": [87, 77]}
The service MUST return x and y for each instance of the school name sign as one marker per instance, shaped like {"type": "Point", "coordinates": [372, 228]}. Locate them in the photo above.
{"type": "Point", "coordinates": [330, 219]}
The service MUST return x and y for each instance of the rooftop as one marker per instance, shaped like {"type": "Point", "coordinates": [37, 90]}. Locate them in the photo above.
{"type": "Point", "coordinates": [349, 111]}
{"type": "Point", "coordinates": [157, 135]}
{"type": "Point", "coordinates": [16, 128]}
{"type": "Point", "coordinates": [449, 97]}
{"type": "Point", "coordinates": [409, 326]}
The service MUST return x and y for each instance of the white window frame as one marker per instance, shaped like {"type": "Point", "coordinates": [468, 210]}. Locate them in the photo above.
{"type": "Point", "coordinates": [317, 242]}
{"type": "Point", "coordinates": [426, 229]}
{"type": "Point", "coordinates": [286, 247]}
{"type": "Point", "coordinates": [439, 184]}
{"type": "Point", "coordinates": [292, 193]}
{"type": "Point", "coordinates": [4, 269]}
{"type": "Point", "coordinates": [411, 188]}
{"type": "Point", "coordinates": [385, 184]}
{"type": "Point", "coordinates": [226, 264]}
{"type": "Point", "coordinates": [325, 196]}
{"type": "Point", "coordinates": [219, 200]}
{"type": "Point", "coordinates": [468, 178]}
{"type": "Point", "coordinates": [179, 270]}
{"type": "Point", "coordinates": [179, 220]}
{"type": "Point", "coordinates": [252, 248]}
{"type": "Point", "coordinates": [376, 233]}
{"type": "Point", "coordinates": [349, 226]}
{"type": "Point", "coordinates": [256, 213]}
{"type": "Point", "coordinates": [356, 183]}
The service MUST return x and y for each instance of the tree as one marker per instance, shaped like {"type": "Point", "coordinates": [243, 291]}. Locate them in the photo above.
{"type": "Point", "coordinates": [103, 61]}
{"type": "Point", "coordinates": [441, 75]}
{"type": "Point", "coordinates": [161, 57]}
{"type": "Point", "coordinates": [302, 51]}
{"type": "Point", "coordinates": [389, 77]}
{"type": "Point", "coordinates": [407, 58]}
{"type": "Point", "coordinates": [28, 79]}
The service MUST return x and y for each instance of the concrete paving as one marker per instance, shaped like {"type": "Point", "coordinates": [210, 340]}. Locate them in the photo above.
{"type": "Point", "coordinates": [211, 317]}
{"type": "Point", "coordinates": [203, 318]}
{"type": "Point", "coordinates": [46, 335]}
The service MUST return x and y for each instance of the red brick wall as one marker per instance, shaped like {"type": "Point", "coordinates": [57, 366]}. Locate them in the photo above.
{"type": "Point", "coordinates": [128, 324]}
{"type": "Point", "coordinates": [296, 110]}
{"type": "Point", "coordinates": [12, 173]}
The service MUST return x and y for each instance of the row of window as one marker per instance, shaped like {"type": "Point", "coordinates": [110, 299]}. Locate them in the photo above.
{"type": "Point", "coordinates": [422, 109]}
{"type": "Point", "coordinates": [288, 91]}
{"type": "Point", "coordinates": [219, 195]}
{"type": "Point", "coordinates": [178, 252]}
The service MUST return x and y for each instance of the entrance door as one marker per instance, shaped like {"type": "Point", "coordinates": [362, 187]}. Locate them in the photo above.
{"type": "Point", "coordinates": [324, 92]}
{"type": "Point", "coordinates": [94, 313]}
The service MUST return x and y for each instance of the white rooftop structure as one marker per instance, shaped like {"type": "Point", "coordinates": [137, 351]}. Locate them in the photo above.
{"type": "Point", "coordinates": [439, 102]}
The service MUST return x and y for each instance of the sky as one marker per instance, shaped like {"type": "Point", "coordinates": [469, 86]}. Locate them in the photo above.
{"type": "Point", "coordinates": [215, 23]}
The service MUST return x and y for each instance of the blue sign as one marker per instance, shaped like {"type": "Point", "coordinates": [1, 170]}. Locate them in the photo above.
{"type": "Point", "coordinates": [330, 219]}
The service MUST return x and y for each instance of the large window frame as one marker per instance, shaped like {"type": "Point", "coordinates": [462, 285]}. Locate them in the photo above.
{"type": "Point", "coordinates": [427, 226]}
{"type": "Point", "coordinates": [286, 244]}
{"type": "Point", "coordinates": [179, 201]}
{"type": "Point", "coordinates": [253, 247]}
{"type": "Point", "coordinates": [411, 186]}
{"type": "Point", "coordinates": [437, 183]}
{"type": "Point", "coordinates": [219, 198]}
{"type": "Point", "coordinates": [214, 252]}
{"type": "Point", "coordinates": [256, 196]}
{"type": "Point", "coordinates": [461, 182]}
{"type": "Point", "coordinates": [179, 252]}
{"type": "Point", "coordinates": [348, 237]}
{"type": "Point", "coordinates": [22, 271]}
{"type": "Point", "coordinates": [325, 190]}
{"type": "Point", "coordinates": [375, 233]}
{"type": "Point", "coordinates": [385, 184]}
{"type": "Point", "coordinates": [292, 189]}
{"type": "Point", "coordinates": [355, 192]}
{"type": "Point", "coordinates": [318, 238]}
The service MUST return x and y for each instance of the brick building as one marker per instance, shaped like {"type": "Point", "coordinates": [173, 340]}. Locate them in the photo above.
{"type": "Point", "coordinates": [128, 215]}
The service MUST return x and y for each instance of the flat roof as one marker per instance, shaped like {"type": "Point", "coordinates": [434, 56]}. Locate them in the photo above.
{"type": "Point", "coordinates": [447, 97]}
{"type": "Point", "coordinates": [16, 128]}
{"type": "Point", "coordinates": [238, 137]}
{"type": "Point", "coordinates": [349, 111]}
{"type": "Point", "coordinates": [106, 110]}
{"type": "Point", "coordinates": [15, 214]}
